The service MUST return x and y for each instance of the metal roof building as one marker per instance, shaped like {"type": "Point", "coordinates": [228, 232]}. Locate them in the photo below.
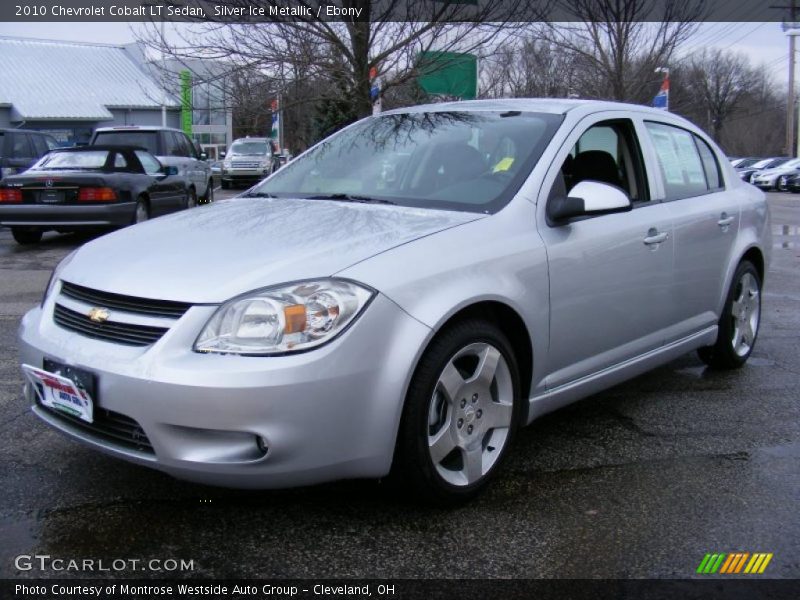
{"type": "Point", "coordinates": [68, 89]}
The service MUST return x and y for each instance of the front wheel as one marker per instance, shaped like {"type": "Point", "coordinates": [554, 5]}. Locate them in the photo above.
{"type": "Point", "coordinates": [739, 323]}
{"type": "Point", "coordinates": [461, 412]}
{"type": "Point", "coordinates": [26, 237]}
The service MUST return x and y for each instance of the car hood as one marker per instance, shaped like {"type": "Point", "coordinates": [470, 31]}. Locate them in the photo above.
{"type": "Point", "coordinates": [212, 253]}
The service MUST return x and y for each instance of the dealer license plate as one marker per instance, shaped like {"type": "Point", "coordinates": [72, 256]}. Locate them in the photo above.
{"type": "Point", "coordinates": [60, 393]}
{"type": "Point", "coordinates": [51, 197]}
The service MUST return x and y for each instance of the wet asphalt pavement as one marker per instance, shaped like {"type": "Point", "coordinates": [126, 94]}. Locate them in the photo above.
{"type": "Point", "coordinates": [639, 481]}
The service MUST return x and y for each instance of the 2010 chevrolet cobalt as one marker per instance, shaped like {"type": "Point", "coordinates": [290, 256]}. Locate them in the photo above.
{"type": "Point", "coordinates": [403, 297]}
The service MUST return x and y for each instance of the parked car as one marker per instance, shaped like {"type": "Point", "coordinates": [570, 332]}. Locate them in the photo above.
{"type": "Point", "coordinates": [89, 187]}
{"type": "Point", "coordinates": [792, 182]}
{"type": "Point", "coordinates": [528, 253]}
{"type": "Point", "coordinates": [782, 184]}
{"type": "Point", "coordinates": [767, 179]}
{"type": "Point", "coordinates": [173, 148]}
{"type": "Point", "coordinates": [248, 161]}
{"type": "Point", "coordinates": [20, 148]}
{"type": "Point", "coordinates": [747, 173]}
{"type": "Point", "coordinates": [741, 163]}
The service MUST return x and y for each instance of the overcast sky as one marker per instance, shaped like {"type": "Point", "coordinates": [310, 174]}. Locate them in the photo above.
{"type": "Point", "coordinates": [763, 43]}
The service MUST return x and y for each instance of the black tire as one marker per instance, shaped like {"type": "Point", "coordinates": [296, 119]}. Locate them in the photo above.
{"type": "Point", "coordinates": [208, 198]}
{"type": "Point", "coordinates": [723, 354]}
{"type": "Point", "coordinates": [224, 184]}
{"type": "Point", "coordinates": [413, 464]}
{"type": "Point", "coordinates": [26, 237]}
{"type": "Point", "coordinates": [142, 211]}
{"type": "Point", "coordinates": [191, 199]}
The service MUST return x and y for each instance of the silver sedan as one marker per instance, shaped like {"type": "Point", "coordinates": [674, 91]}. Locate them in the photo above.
{"type": "Point", "coordinates": [403, 296]}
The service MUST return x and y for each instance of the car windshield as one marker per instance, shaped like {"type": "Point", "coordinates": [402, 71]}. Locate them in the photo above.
{"type": "Point", "coordinates": [777, 162]}
{"type": "Point", "coordinates": [472, 161]}
{"type": "Point", "coordinates": [746, 162]}
{"type": "Point", "coordinates": [84, 159]}
{"type": "Point", "coordinates": [762, 163]}
{"type": "Point", "coordinates": [144, 139]}
{"type": "Point", "coordinates": [249, 148]}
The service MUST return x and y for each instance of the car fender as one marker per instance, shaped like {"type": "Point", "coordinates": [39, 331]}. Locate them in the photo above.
{"type": "Point", "coordinates": [499, 258]}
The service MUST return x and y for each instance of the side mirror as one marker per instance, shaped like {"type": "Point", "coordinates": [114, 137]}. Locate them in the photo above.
{"type": "Point", "coordinates": [170, 170]}
{"type": "Point", "coordinates": [203, 156]}
{"type": "Point", "coordinates": [222, 154]}
{"type": "Point", "coordinates": [588, 198]}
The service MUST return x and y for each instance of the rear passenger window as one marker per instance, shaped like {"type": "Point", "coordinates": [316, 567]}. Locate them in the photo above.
{"type": "Point", "coordinates": [20, 146]}
{"type": "Point", "coordinates": [120, 162]}
{"type": "Point", "coordinates": [710, 164]}
{"type": "Point", "coordinates": [684, 172]}
{"type": "Point", "coordinates": [40, 145]}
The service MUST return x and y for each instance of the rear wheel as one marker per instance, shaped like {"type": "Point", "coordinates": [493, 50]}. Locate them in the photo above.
{"type": "Point", "coordinates": [142, 212]}
{"type": "Point", "coordinates": [25, 237]}
{"type": "Point", "coordinates": [739, 323]}
{"type": "Point", "coordinates": [209, 196]}
{"type": "Point", "coordinates": [462, 409]}
{"type": "Point", "coordinates": [191, 198]}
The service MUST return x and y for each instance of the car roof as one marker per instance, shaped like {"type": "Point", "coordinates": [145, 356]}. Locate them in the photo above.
{"type": "Point", "coordinates": [106, 147]}
{"type": "Point", "coordinates": [137, 128]}
{"type": "Point", "coordinates": [12, 130]}
{"type": "Point", "coordinates": [251, 139]}
{"type": "Point", "coordinates": [542, 105]}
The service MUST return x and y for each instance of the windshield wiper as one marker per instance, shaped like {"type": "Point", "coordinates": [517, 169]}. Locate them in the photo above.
{"type": "Point", "coordinates": [350, 198]}
{"type": "Point", "coordinates": [259, 195]}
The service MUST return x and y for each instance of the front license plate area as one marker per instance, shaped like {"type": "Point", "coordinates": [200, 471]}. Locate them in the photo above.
{"type": "Point", "coordinates": [61, 393]}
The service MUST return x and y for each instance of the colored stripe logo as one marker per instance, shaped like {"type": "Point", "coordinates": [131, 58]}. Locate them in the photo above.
{"type": "Point", "coordinates": [734, 563]}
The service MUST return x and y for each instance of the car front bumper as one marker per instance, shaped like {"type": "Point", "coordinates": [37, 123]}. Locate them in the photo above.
{"type": "Point", "coordinates": [66, 216]}
{"type": "Point", "coordinates": [244, 174]}
{"type": "Point", "coordinates": [329, 413]}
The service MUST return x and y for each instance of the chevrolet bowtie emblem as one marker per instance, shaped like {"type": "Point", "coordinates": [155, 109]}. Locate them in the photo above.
{"type": "Point", "coordinates": [98, 315]}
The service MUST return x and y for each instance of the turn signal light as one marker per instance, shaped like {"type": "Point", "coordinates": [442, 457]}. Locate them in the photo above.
{"type": "Point", "coordinates": [10, 195]}
{"type": "Point", "coordinates": [96, 194]}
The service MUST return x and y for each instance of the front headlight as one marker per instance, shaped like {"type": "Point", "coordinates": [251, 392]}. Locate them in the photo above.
{"type": "Point", "coordinates": [54, 276]}
{"type": "Point", "coordinates": [287, 318]}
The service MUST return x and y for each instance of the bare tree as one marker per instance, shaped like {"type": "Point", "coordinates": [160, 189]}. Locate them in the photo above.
{"type": "Point", "coordinates": [711, 87]}
{"type": "Point", "coordinates": [339, 56]}
{"type": "Point", "coordinates": [618, 44]}
{"type": "Point", "coordinates": [529, 68]}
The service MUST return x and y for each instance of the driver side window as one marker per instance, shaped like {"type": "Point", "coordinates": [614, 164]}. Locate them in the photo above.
{"type": "Point", "coordinates": [608, 152]}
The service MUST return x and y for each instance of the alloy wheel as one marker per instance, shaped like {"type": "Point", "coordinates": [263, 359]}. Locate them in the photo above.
{"type": "Point", "coordinates": [745, 313]}
{"type": "Point", "coordinates": [470, 414]}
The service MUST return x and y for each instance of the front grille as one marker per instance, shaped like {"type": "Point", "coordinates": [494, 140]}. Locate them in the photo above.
{"type": "Point", "coordinates": [120, 333]}
{"type": "Point", "coordinates": [245, 165]}
{"type": "Point", "coordinates": [109, 426]}
{"type": "Point", "coordinates": [131, 304]}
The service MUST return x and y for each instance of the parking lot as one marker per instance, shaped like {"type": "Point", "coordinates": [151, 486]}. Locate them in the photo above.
{"type": "Point", "coordinates": [639, 481]}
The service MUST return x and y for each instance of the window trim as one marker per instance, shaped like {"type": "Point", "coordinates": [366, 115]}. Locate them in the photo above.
{"type": "Point", "coordinates": [695, 136]}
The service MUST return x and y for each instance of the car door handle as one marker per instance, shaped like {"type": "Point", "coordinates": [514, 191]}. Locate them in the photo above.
{"type": "Point", "coordinates": [724, 220]}
{"type": "Point", "coordinates": [653, 237]}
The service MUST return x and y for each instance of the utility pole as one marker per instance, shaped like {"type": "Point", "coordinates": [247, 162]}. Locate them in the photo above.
{"type": "Point", "coordinates": [791, 29]}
